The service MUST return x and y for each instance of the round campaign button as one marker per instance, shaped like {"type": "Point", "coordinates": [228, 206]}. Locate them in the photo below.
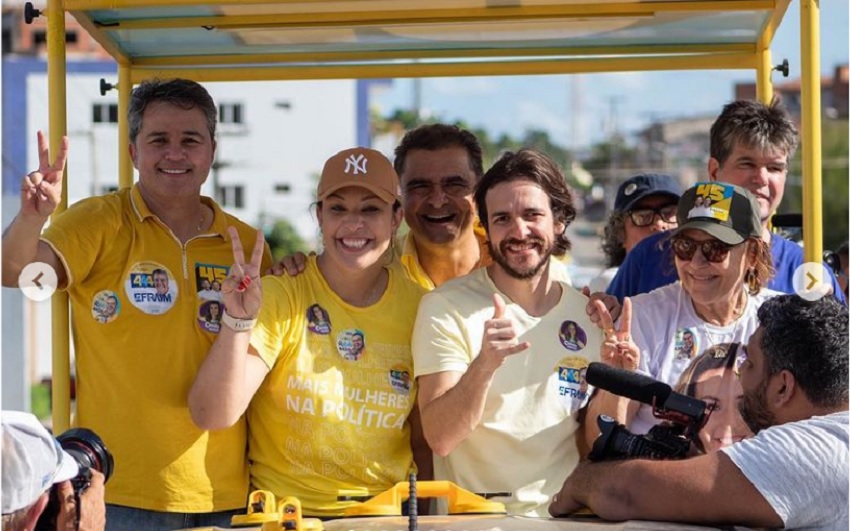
{"type": "Point", "coordinates": [38, 281]}
{"type": "Point", "coordinates": [811, 281]}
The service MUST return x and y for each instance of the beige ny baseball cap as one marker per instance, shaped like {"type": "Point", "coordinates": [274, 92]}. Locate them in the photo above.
{"type": "Point", "coordinates": [361, 167]}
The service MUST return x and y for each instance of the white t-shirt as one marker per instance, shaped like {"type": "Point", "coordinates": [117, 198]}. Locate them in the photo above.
{"type": "Point", "coordinates": [800, 468]}
{"type": "Point", "coordinates": [525, 443]}
{"type": "Point", "coordinates": [670, 334]}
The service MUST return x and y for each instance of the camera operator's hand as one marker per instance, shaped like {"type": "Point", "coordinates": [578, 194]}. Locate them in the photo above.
{"type": "Point", "coordinates": [618, 349]}
{"type": "Point", "coordinates": [92, 510]}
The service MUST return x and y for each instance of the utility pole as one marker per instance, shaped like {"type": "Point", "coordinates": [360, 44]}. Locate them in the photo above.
{"type": "Point", "coordinates": [613, 135]}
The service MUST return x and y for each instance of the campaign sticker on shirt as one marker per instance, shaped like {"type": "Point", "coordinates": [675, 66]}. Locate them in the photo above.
{"type": "Point", "coordinates": [685, 345]}
{"type": "Point", "coordinates": [400, 379]}
{"type": "Point", "coordinates": [318, 320]}
{"type": "Point", "coordinates": [151, 288]}
{"type": "Point", "coordinates": [208, 278]}
{"type": "Point", "coordinates": [572, 336]}
{"type": "Point", "coordinates": [209, 316]}
{"type": "Point", "coordinates": [351, 344]}
{"type": "Point", "coordinates": [105, 306]}
{"type": "Point", "coordinates": [571, 381]}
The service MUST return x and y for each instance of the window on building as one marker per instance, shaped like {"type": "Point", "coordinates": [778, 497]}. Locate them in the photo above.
{"type": "Point", "coordinates": [282, 188]}
{"type": "Point", "coordinates": [230, 113]}
{"type": "Point", "coordinates": [104, 113]}
{"type": "Point", "coordinates": [231, 196]}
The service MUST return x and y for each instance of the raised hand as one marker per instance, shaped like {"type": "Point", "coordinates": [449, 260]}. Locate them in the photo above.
{"type": "Point", "coordinates": [41, 190]}
{"type": "Point", "coordinates": [611, 304]}
{"type": "Point", "coordinates": [241, 292]}
{"type": "Point", "coordinates": [618, 349]}
{"type": "Point", "coordinates": [292, 265]}
{"type": "Point", "coordinates": [500, 338]}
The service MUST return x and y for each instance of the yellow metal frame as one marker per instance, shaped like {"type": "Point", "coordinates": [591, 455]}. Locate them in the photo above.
{"type": "Point", "coordinates": [447, 60]}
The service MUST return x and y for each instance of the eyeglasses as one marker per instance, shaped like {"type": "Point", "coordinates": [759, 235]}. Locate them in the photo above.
{"type": "Point", "coordinates": [644, 217]}
{"type": "Point", "coordinates": [713, 250]}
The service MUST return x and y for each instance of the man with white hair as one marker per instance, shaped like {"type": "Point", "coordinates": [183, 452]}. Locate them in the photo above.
{"type": "Point", "coordinates": [33, 462]}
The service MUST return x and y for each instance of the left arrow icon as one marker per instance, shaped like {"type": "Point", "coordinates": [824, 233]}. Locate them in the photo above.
{"type": "Point", "coordinates": [38, 281]}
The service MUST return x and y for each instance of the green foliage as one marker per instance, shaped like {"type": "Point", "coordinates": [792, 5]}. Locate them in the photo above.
{"type": "Point", "coordinates": [40, 400]}
{"type": "Point", "coordinates": [284, 240]}
{"type": "Point", "coordinates": [835, 188]}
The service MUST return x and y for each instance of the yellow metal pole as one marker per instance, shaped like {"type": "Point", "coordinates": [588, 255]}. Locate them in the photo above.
{"type": "Point", "coordinates": [764, 85]}
{"type": "Point", "coordinates": [125, 164]}
{"type": "Point", "coordinates": [810, 88]}
{"type": "Point", "coordinates": [61, 403]}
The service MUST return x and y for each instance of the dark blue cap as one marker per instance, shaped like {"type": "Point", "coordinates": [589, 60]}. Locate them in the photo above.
{"type": "Point", "coordinates": [636, 188]}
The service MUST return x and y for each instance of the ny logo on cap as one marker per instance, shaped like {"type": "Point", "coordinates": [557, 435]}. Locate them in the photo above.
{"type": "Point", "coordinates": [355, 164]}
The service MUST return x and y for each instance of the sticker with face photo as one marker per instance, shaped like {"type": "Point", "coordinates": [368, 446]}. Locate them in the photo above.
{"type": "Point", "coordinates": [318, 320]}
{"type": "Point", "coordinates": [351, 344]}
{"type": "Point", "coordinates": [572, 336]}
{"type": "Point", "coordinates": [209, 316]}
{"type": "Point", "coordinates": [151, 288]}
{"type": "Point", "coordinates": [106, 306]}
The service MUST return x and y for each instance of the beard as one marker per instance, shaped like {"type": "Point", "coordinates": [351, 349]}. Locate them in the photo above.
{"type": "Point", "coordinates": [520, 273]}
{"type": "Point", "coordinates": [754, 411]}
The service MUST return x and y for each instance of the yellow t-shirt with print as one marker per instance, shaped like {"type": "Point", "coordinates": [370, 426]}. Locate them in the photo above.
{"type": "Point", "coordinates": [330, 417]}
{"type": "Point", "coordinates": [141, 331]}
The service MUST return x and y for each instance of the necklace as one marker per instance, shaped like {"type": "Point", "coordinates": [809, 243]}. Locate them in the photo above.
{"type": "Point", "coordinates": [718, 337]}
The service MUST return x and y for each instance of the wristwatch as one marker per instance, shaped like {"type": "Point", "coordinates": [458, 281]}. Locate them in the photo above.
{"type": "Point", "coordinates": [239, 325]}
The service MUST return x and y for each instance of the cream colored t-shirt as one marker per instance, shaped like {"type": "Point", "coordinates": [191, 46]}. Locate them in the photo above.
{"type": "Point", "coordinates": [525, 443]}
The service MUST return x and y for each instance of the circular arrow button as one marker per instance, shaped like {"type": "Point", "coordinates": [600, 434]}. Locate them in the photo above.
{"type": "Point", "coordinates": [38, 281]}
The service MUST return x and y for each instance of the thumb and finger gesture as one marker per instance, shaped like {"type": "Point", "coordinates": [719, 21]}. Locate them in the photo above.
{"type": "Point", "coordinates": [41, 190]}
{"type": "Point", "coordinates": [500, 337]}
{"type": "Point", "coordinates": [618, 349]}
{"type": "Point", "coordinates": [241, 292]}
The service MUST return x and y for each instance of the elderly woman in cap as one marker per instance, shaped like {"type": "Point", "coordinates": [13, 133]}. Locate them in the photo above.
{"type": "Point", "coordinates": [645, 204]}
{"type": "Point", "coordinates": [332, 407]}
{"type": "Point", "coordinates": [723, 265]}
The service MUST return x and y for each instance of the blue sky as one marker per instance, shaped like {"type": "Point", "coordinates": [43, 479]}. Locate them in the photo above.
{"type": "Point", "coordinates": [515, 104]}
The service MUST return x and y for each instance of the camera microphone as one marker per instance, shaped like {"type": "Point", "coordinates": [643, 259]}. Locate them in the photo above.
{"type": "Point", "coordinates": [627, 383]}
{"type": "Point", "coordinates": [643, 389]}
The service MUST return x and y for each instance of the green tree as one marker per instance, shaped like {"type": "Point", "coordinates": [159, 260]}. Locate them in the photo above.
{"type": "Point", "coordinates": [284, 240]}
{"type": "Point", "coordinates": [834, 184]}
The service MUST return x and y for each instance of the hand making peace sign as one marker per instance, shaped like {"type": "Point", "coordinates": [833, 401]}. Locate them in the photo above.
{"type": "Point", "coordinates": [618, 349]}
{"type": "Point", "coordinates": [41, 190]}
{"type": "Point", "coordinates": [241, 292]}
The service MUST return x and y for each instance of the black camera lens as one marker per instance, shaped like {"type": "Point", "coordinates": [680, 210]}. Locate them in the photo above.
{"type": "Point", "coordinates": [88, 450]}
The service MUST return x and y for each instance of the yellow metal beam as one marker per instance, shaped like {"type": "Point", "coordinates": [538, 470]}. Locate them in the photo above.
{"type": "Point", "coordinates": [764, 67]}
{"type": "Point", "coordinates": [61, 374]}
{"type": "Point", "coordinates": [389, 55]}
{"type": "Point", "coordinates": [810, 87]}
{"type": "Point", "coordinates": [482, 68]}
{"type": "Point", "coordinates": [368, 8]}
{"type": "Point", "coordinates": [393, 17]}
{"type": "Point", "coordinates": [125, 164]}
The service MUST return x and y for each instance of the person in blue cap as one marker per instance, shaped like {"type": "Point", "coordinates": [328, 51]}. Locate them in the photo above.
{"type": "Point", "coordinates": [645, 205]}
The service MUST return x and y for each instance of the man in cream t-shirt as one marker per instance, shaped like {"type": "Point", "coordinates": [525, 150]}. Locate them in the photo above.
{"type": "Point", "coordinates": [499, 353]}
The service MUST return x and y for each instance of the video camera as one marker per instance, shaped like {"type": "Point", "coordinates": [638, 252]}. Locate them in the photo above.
{"type": "Point", "coordinates": [89, 452]}
{"type": "Point", "coordinates": [686, 416]}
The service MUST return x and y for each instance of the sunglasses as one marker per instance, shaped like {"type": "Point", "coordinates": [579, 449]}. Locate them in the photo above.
{"type": "Point", "coordinates": [644, 217]}
{"type": "Point", "coordinates": [713, 250]}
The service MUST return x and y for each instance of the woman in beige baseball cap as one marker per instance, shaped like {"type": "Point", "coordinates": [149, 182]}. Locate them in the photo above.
{"type": "Point", "coordinates": [321, 362]}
